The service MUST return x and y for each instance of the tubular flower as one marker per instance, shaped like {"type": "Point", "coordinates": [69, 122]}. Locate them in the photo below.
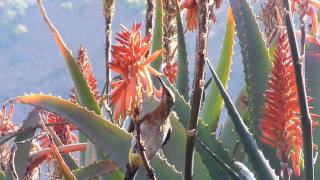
{"type": "Point", "coordinates": [63, 131]}
{"type": "Point", "coordinates": [192, 10]}
{"type": "Point", "coordinates": [280, 125]}
{"type": "Point", "coordinates": [129, 61]}
{"type": "Point", "coordinates": [170, 70]}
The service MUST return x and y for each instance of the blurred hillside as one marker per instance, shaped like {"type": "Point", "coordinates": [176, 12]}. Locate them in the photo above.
{"type": "Point", "coordinates": [31, 62]}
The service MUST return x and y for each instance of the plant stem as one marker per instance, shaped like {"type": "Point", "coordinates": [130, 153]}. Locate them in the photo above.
{"type": "Point", "coordinates": [304, 109]}
{"type": "Point", "coordinates": [108, 11]}
{"type": "Point", "coordinates": [225, 167]}
{"type": "Point", "coordinates": [169, 29]}
{"type": "Point", "coordinates": [149, 16]}
{"type": "Point", "coordinates": [198, 84]}
{"type": "Point", "coordinates": [142, 149]}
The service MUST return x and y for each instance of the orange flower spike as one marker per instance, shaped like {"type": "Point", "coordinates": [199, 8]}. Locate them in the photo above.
{"type": "Point", "coordinates": [280, 125]}
{"type": "Point", "coordinates": [129, 61]}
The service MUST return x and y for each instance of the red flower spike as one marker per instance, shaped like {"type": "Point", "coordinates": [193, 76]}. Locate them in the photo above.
{"type": "Point", "coordinates": [86, 70]}
{"type": "Point", "coordinates": [280, 125]}
{"type": "Point", "coordinates": [129, 61]}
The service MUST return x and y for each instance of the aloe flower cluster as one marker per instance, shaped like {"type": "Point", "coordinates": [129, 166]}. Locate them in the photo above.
{"type": "Point", "coordinates": [280, 125]}
{"type": "Point", "coordinates": [129, 61]}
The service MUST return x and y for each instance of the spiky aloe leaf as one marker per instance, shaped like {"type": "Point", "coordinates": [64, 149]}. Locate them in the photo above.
{"type": "Point", "coordinates": [157, 34]}
{"type": "Point", "coordinates": [178, 140]}
{"type": "Point", "coordinates": [24, 143]}
{"type": "Point", "coordinates": [260, 164]}
{"type": "Point", "coordinates": [182, 83]}
{"type": "Point", "coordinates": [256, 60]}
{"type": "Point", "coordinates": [228, 136]}
{"type": "Point", "coordinates": [312, 65]}
{"type": "Point", "coordinates": [182, 108]}
{"type": "Point", "coordinates": [96, 169]}
{"type": "Point", "coordinates": [213, 102]}
{"type": "Point", "coordinates": [100, 131]}
{"type": "Point", "coordinates": [83, 91]}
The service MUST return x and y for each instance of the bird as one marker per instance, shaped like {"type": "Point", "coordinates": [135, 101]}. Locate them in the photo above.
{"type": "Point", "coordinates": [155, 130]}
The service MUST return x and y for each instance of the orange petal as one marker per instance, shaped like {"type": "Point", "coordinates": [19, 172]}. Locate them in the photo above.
{"type": "Point", "coordinates": [153, 71]}
{"type": "Point", "coordinates": [152, 57]}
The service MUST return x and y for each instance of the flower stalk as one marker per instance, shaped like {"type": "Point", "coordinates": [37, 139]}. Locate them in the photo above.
{"type": "Point", "coordinates": [200, 61]}
{"type": "Point", "coordinates": [300, 81]}
{"type": "Point", "coordinates": [149, 16]}
{"type": "Point", "coordinates": [108, 11]}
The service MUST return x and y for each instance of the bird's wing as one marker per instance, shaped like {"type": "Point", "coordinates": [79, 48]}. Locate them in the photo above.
{"type": "Point", "coordinates": [167, 137]}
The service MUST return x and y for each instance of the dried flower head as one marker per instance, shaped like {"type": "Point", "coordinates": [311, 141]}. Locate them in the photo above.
{"type": "Point", "coordinates": [280, 125]}
{"type": "Point", "coordinates": [129, 61]}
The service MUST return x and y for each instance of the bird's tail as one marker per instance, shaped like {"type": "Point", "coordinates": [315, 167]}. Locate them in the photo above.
{"type": "Point", "coordinates": [131, 172]}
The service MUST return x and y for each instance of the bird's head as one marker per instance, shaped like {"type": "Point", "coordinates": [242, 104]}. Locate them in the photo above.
{"type": "Point", "coordinates": [167, 96]}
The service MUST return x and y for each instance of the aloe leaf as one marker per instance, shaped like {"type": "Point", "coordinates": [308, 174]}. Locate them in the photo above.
{"type": "Point", "coordinates": [256, 60]}
{"type": "Point", "coordinates": [228, 136]}
{"type": "Point", "coordinates": [312, 65]}
{"type": "Point", "coordinates": [157, 34]}
{"type": "Point", "coordinates": [260, 164]}
{"type": "Point", "coordinates": [182, 83]}
{"type": "Point", "coordinates": [178, 141]}
{"type": "Point", "coordinates": [182, 108]}
{"type": "Point", "coordinates": [213, 102]}
{"type": "Point", "coordinates": [24, 143]}
{"type": "Point", "coordinates": [97, 169]}
{"type": "Point", "coordinates": [83, 91]}
{"type": "Point", "coordinates": [100, 131]}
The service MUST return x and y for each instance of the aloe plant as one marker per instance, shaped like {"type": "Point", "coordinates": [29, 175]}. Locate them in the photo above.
{"type": "Point", "coordinates": [150, 74]}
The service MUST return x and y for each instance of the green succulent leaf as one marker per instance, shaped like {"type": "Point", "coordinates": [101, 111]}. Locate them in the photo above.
{"type": "Point", "coordinates": [182, 109]}
{"type": "Point", "coordinates": [97, 169]}
{"type": "Point", "coordinates": [312, 66]}
{"type": "Point", "coordinates": [157, 34]}
{"type": "Point", "coordinates": [100, 131]}
{"type": "Point", "coordinates": [83, 91]}
{"type": "Point", "coordinates": [24, 143]}
{"type": "Point", "coordinates": [256, 60]}
{"type": "Point", "coordinates": [178, 140]}
{"type": "Point", "coordinates": [259, 162]}
{"type": "Point", "coordinates": [182, 83]}
{"type": "Point", "coordinates": [213, 103]}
